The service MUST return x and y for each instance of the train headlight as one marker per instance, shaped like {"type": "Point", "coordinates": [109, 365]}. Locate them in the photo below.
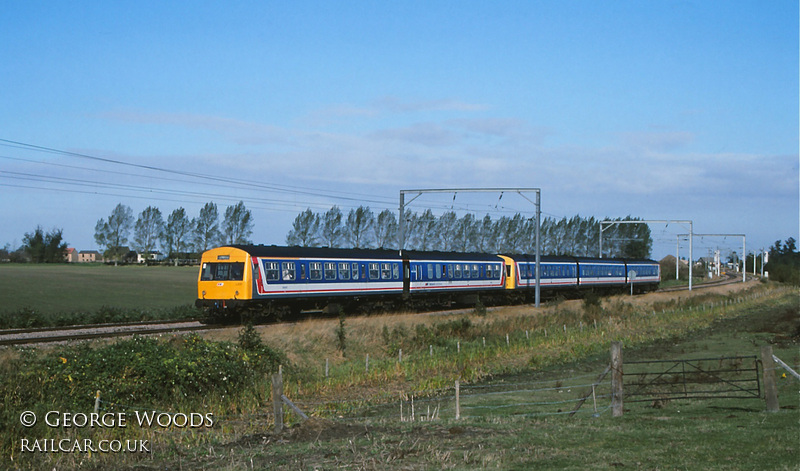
{"type": "Point", "coordinates": [204, 294]}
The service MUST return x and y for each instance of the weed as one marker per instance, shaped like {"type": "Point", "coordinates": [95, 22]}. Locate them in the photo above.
{"type": "Point", "coordinates": [341, 335]}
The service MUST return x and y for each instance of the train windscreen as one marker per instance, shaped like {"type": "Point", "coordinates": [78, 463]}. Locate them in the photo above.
{"type": "Point", "coordinates": [229, 271]}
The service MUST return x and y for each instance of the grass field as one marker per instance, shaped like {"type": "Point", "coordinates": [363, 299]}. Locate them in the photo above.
{"type": "Point", "coordinates": [356, 422]}
{"type": "Point", "coordinates": [52, 289]}
{"type": "Point", "coordinates": [729, 434]}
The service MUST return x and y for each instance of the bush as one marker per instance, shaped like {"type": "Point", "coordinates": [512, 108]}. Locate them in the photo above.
{"type": "Point", "coordinates": [140, 371]}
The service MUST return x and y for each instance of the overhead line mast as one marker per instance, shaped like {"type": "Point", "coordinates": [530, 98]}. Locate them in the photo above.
{"type": "Point", "coordinates": [520, 191]}
{"type": "Point", "coordinates": [654, 221]}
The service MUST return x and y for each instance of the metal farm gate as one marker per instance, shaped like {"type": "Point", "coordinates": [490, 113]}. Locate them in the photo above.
{"type": "Point", "coordinates": [704, 378]}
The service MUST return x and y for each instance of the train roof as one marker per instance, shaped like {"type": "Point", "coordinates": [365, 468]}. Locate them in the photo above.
{"type": "Point", "coordinates": [382, 254]}
{"type": "Point", "coordinates": [316, 252]}
{"type": "Point", "coordinates": [390, 254]}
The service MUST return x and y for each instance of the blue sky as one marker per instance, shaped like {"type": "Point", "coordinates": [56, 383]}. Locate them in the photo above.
{"type": "Point", "coordinates": [658, 109]}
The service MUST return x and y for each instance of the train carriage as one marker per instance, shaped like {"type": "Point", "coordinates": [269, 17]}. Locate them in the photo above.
{"type": "Point", "coordinates": [555, 272]}
{"type": "Point", "coordinates": [644, 275]}
{"type": "Point", "coordinates": [601, 272]}
{"type": "Point", "coordinates": [294, 277]}
{"type": "Point", "coordinates": [273, 279]}
{"type": "Point", "coordinates": [440, 272]}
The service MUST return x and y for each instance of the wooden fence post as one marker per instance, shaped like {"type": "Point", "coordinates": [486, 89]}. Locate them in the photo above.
{"type": "Point", "coordinates": [458, 399]}
{"type": "Point", "coordinates": [277, 403]}
{"type": "Point", "coordinates": [770, 388]}
{"type": "Point", "coordinates": [616, 379]}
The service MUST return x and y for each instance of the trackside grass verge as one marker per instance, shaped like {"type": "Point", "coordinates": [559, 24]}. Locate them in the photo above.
{"type": "Point", "coordinates": [229, 377]}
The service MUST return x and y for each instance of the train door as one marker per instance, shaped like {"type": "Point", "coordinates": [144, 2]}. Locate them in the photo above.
{"type": "Point", "coordinates": [406, 276]}
{"type": "Point", "coordinates": [510, 272]}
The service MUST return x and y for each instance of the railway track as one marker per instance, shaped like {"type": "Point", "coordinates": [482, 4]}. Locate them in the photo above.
{"type": "Point", "coordinates": [731, 278]}
{"type": "Point", "coordinates": [11, 337]}
{"type": "Point", "coordinates": [87, 332]}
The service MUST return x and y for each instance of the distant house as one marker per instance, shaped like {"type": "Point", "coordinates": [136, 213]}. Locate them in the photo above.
{"type": "Point", "coordinates": [70, 255]}
{"type": "Point", "coordinates": [89, 256]}
{"type": "Point", "coordinates": [152, 256]}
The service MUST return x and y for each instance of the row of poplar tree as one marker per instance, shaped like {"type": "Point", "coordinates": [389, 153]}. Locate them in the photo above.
{"type": "Point", "coordinates": [179, 234]}
{"type": "Point", "coordinates": [576, 236]}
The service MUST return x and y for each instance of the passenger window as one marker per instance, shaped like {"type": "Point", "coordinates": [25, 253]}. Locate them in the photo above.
{"type": "Point", "coordinates": [271, 271]}
{"type": "Point", "coordinates": [288, 271]}
{"type": "Point", "coordinates": [354, 270]}
{"type": "Point", "coordinates": [344, 271]}
{"type": "Point", "coordinates": [430, 271]}
{"type": "Point", "coordinates": [396, 271]}
{"type": "Point", "coordinates": [374, 272]}
{"type": "Point", "coordinates": [386, 271]}
{"type": "Point", "coordinates": [330, 271]}
{"type": "Point", "coordinates": [457, 273]}
{"type": "Point", "coordinates": [438, 271]}
{"type": "Point", "coordinates": [316, 270]}
{"type": "Point", "coordinates": [475, 271]}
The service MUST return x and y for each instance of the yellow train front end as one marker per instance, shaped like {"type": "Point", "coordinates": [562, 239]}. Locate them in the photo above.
{"type": "Point", "coordinates": [225, 279]}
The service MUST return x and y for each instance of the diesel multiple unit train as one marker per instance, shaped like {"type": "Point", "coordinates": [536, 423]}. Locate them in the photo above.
{"type": "Point", "coordinates": [273, 280]}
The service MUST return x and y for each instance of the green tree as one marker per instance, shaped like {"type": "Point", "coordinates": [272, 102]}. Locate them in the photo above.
{"type": "Point", "coordinates": [176, 232]}
{"type": "Point", "coordinates": [464, 233]}
{"type": "Point", "coordinates": [112, 233]}
{"type": "Point", "coordinates": [149, 229]}
{"type": "Point", "coordinates": [425, 233]}
{"type": "Point", "coordinates": [304, 230]}
{"type": "Point", "coordinates": [386, 230]}
{"type": "Point", "coordinates": [238, 224]}
{"type": "Point", "coordinates": [332, 227]}
{"type": "Point", "coordinates": [446, 227]}
{"type": "Point", "coordinates": [358, 230]}
{"type": "Point", "coordinates": [784, 262]}
{"type": "Point", "coordinates": [45, 248]}
{"type": "Point", "coordinates": [206, 227]}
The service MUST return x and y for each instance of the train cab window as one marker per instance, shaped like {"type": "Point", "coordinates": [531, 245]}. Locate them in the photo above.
{"type": "Point", "coordinates": [315, 270]}
{"type": "Point", "coordinates": [288, 271]}
{"type": "Point", "coordinates": [374, 271]}
{"type": "Point", "coordinates": [271, 271]}
{"type": "Point", "coordinates": [344, 271]}
{"type": "Point", "coordinates": [457, 271]}
{"type": "Point", "coordinates": [330, 271]}
{"type": "Point", "coordinates": [222, 271]}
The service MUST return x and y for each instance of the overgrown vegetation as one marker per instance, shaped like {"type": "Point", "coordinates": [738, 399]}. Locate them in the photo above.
{"type": "Point", "coordinates": [177, 373]}
{"type": "Point", "coordinates": [230, 379]}
{"type": "Point", "coordinates": [784, 262]}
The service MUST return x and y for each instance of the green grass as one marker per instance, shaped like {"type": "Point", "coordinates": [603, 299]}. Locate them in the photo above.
{"type": "Point", "coordinates": [50, 290]}
{"type": "Point", "coordinates": [714, 434]}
